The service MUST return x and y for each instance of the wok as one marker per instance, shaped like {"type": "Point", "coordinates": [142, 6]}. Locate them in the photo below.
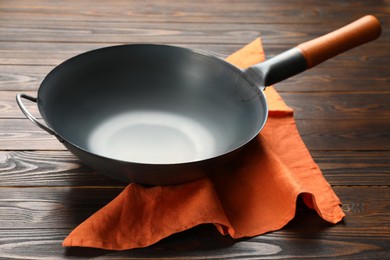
{"type": "Point", "coordinates": [159, 114]}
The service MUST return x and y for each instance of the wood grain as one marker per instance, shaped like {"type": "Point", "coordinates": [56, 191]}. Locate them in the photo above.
{"type": "Point", "coordinates": [357, 168]}
{"type": "Point", "coordinates": [200, 243]}
{"type": "Point", "coordinates": [48, 168]}
{"type": "Point", "coordinates": [339, 105]}
{"type": "Point", "coordinates": [339, 135]}
{"type": "Point", "coordinates": [60, 209]}
{"type": "Point", "coordinates": [122, 32]}
{"type": "Point", "coordinates": [189, 11]}
{"type": "Point", "coordinates": [341, 110]}
{"type": "Point", "coordinates": [23, 134]}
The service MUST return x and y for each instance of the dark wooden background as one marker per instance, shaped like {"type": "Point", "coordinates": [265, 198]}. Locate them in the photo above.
{"type": "Point", "coordinates": [342, 109]}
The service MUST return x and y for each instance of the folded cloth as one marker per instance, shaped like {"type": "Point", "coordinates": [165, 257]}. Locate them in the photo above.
{"type": "Point", "coordinates": [254, 193]}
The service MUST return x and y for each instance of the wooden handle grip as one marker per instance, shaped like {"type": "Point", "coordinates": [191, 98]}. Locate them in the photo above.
{"type": "Point", "coordinates": [365, 29]}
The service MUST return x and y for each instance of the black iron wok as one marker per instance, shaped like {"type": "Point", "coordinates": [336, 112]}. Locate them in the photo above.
{"type": "Point", "coordinates": [157, 114]}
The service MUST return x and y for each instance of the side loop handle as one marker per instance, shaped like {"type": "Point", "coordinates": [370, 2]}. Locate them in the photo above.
{"type": "Point", "coordinates": [29, 115]}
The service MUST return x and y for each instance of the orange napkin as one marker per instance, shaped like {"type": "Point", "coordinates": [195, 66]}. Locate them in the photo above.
{"type": "Point", "coordinates": [253, 194]}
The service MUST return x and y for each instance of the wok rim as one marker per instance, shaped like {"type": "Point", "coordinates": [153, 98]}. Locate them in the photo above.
{"type": "Point", "coordinates": [204, 54]}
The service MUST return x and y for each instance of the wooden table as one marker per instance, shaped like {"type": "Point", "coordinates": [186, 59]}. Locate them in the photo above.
{"type": "Point", "coordinates": [342, 109]}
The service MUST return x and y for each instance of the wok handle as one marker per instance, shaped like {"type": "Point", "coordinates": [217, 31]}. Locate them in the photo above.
{"type": "Point", "coordinates": [29, 115]}
{"type": "Point", "coordinates": [311, 53]}
{"type": "Point", "coordinates": [364, 30]}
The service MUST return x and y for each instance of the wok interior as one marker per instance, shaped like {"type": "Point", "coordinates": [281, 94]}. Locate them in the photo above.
{"type": "Point", "coordinates": [151, 104]}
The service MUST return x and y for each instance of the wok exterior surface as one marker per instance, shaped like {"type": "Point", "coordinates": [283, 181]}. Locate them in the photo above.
{"type": "Point", "coordinates": [151, 114]}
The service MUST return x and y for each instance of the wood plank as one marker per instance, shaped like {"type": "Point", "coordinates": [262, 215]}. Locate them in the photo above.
{"type": "Point", "coordinates": [22, 78]}
{"type": "Point", "coordinates": [199, 243]}
{"type": "Point", "coordinates": [48, 168]}
{"type": "Point", "coordinates": [53, 208]}
{"type": "Point", "coordinates": [61, 168]}
{"type": "Point", "coordinates": [190, 11]}
{"type": "Point", "coordinates": [354, 167]}
{"type": "Point", "coordinates": [345, 135]}
{"type": "Point", "coordinates": [48, 214]}
{"type": "Point", "coordinates": [16, 134]}
{"type": "Point", "coordinates": [339, 105]}
{"type": "Point", "coordinates": [9, 107]}
{"type": "Point", "coordinates": [101, 31]}
{"type": "Point", "coordinates": [336, 75]}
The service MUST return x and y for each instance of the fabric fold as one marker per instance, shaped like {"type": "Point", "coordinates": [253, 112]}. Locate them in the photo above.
{"type": "Point", "coordinates": [253, 194]}
{"type": "Point", "coordinates": [141, 216]}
